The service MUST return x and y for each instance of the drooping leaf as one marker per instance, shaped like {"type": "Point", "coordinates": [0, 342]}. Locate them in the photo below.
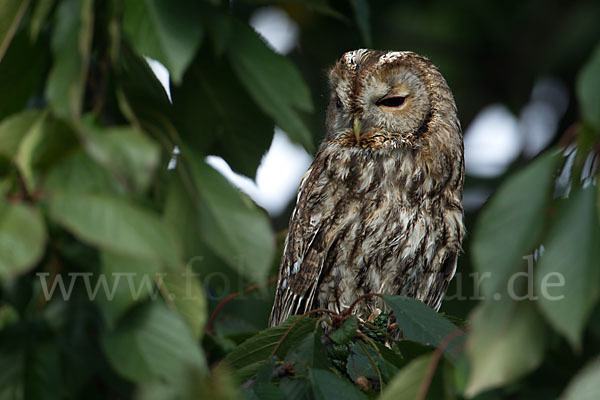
{"type": "Point", "coordinates": [362, 16]}
{"type": "Point", "coordinates": [385, 359]}
{"type": "Point", "coordinates": [216, 115]}
{"type": "Point", "coordinates": [346, 332]}
{"type": "Point", "coordinates": [407, 383]}
{"type": "Point", "coordinates": [71, 46]}
{"type": "Point", "coordinates": [249, 355]}
{"type": "Point", "coordinates": [588, 89]}
{"type": "Point", "coordinates": [232, 225]}
{"type": "Point", "coordinates": [129, 154]}
{"type": "Point", "coordinates": [568, 277]}
{"type": "Point", "coordinates": [507, 339]}
{"type": "Point", "coordinates": [309, 351]}
{"type": "Point", "coordinates": [187, 297]}
{"type": "Point", "coordinates": [11, 13]}
{"type": "Point", "coordinates": [327, 385]}
{"type": "Point", "coordinates": [153, 343]}
{"type": "Point", "coordinates": [272, 81]}
{"type": "Point", "coordinates": [510, 225]}
{"type": "Point", "coordinates": [22, 71]}
{"type": "Point", "coordinates": [114, 224]}
{"type": "Point", "coordinates": [169, 33]}
{"type": "Point", "coordinates": [22, 238]}
{"type": "Point", "coordinates": [422, 324]}
{"type": "Point", "coordinates": [586, 384]}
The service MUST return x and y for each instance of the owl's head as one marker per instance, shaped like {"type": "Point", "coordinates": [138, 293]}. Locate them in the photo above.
{"type": "Point", "coordinates": [388, 99]}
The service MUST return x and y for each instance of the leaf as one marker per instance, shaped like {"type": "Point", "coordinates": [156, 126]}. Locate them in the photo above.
{"type": "Point", "coordinates": [586, 383]}
{"type": "Point", "coordinates": [128, 281]}
{"type": "Point", "coordinates": [588, 89]}
{"type": "Point", "coordinates": [507, 340]}
{"type": "Point", "coordinates": [167, 33]}
{"type": "Point", "coordinates": [129, 154]}
{"type": "Point", "coordinates": [22, 238]}
{"type": "Point", "coordinates": [232, 225]}
{"type": "Point", "coordinates": [310, 351]}
{"type": "Point", "coordinates": [22, 70]}
{"type": "Point", "coordinates": [114, 224]}
{"type": "Point", "coordinates": [510, 225]}
{"type": "Point", "coordinates": [362, 15]}
{"type": "Point", "coordinates": [262, 387]}
{"type": "Point", "coordinates": [187, 297]}
{"type": "Point", "coordinates": [43, 370]}
{"type": "Point", "coordinates": [216, 115]}
{"type": "Point", "coordinates": [571, 257]}
{"type": "Point", "coordinates": [407, 383]}
{"type": "Point", "coordinates": [386, 360]}
{"type": "Point", "coordinates": [252, 352]}
{"type": "Point", "coordinates": [152, 344]}
{"type": "Point", "coordinates": [346, 332]}
{"type": "Point", "coordinates": [71, 46]}
{"type": "Point", "coordinates": [13, 129]}
{"type": "Point", "coordinates": [272, 81]}
{"type": "Point", "coordinates": [327, 385]}
{"type": "Point", "coordinates": [39, 15]}
{"type": "Point", "coordinates": [420, 323]}
{"type": "Point", "coordinates": [11, 13]}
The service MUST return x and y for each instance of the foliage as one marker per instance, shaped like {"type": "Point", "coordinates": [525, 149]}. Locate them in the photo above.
{"type": "Point", "coordinates": [111, 262]}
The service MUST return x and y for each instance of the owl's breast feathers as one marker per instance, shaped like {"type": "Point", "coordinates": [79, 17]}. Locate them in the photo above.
{"type": "Point", "coordinates": [379, 221]}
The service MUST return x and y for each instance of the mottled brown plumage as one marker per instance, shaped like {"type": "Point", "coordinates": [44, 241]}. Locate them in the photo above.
{"type": "Point", "coordinates": [379, 209]}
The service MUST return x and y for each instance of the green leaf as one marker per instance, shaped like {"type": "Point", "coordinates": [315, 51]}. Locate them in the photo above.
{"type": "Point", "coordinates": [346, 332]}
{"type": "Point", "coordinates": [165, 32]}
{"type": "Point", "coordinates": [362, 15]}
{"type": "Point", "coordinates": [114, 224]}
{"type": "Point", "coordinates": [123, 281]}
{"type": "Point", "coordinates": [232, 225]}
{"type": "Point", "coordinates": [588, 89]}
{"type": "Point", "coordinates": [22, 70]}
{"type": "Point", "coordinates": [507, 340]}
{"type": "Point", "coordinates": [567, 277]}
{"type": "Point", "coordinates": [153, 343]}
{"type": "Point", "coordinates": [11, 13]}
{"type": "Point", "coordinates": [586, 384]}
{"type": "Point", "coordinates": [272, 81]}
{"type": "Point", "coordinates": [8, 316]}
{"type": "Point", "coordinates": [252, 352]}
{"type": "Point", "coordinates": [40, 13]}
{"type": "Point", "coordinates": [310, 351]}
{"type": "Point", "coordinates": [262, 387]}
{"type": "Point", "coordinates": [420, 323]}
{"type": "Point", "coordinates": [13, 129]}
{"type": "Point", "coordinates": [407, 383]}
{"type": "Point", "coordinates": [71, 46]}
{"type": "Point", "coordinates": [43, 370]}
{"type": "Point", "coordinates": [187, 297]}
{"type": "Point", "coordinates": [129, 154]}
{"type": "Point", "coordinates": [327, 385]}
{"type": "Point", "coordinates": [216, 116]}
{"type": "Point", "coordinates": [510, 225]}
{"type": "Point", "coordinates": [22, 238]}
{"type": "Point", "coordinates": [386, 360]}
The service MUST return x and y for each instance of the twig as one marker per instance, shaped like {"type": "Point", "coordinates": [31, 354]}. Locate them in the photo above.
{"type": "Point", "coordinates": [364, 296]}
{"type": "Point", "coordinates": [373, 363]}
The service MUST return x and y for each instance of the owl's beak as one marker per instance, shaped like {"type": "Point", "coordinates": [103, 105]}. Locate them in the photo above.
{"type": "Point", "coordinates": [357, 128]}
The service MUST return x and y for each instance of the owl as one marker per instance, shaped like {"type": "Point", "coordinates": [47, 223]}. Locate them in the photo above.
{"type": "Point", "coordinates": [379, 210]}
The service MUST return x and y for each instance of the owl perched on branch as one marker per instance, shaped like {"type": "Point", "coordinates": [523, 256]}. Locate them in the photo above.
{"type": "Point", "coordinates": [379, 210]}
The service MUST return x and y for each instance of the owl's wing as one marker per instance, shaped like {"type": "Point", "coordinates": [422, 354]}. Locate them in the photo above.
{"type": "Point", "coordinates": [304, 253]}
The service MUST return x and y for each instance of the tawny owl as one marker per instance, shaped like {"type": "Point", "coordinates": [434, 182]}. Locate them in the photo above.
{"type": "Point", "coordinates": [379, 210]}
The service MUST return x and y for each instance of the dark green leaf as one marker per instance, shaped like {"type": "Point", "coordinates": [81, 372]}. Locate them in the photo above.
{"type": "Point", "coordinates": [588, 89]}
{"type": "Point", "coordinates": [187, 297]}
{"type": "Point", "coordinates": [510, 225]}
{"type": "Point", "coordinates": [116, 225]}
{"type": "Point", "coordinates": [328, 385]}
{"type": "Point", "coordinates": [232, 225]}
{"type": "Point", "coordinates": [422, 324]}
{"type": "Point", "coordinates": [13, 129]}
{"type": "Point", "coordinates": [152, 344]}
{"type": "Point", "coordinates": [22, 238]}
{"type": "Point", "coordinates": [272, 81]}
{"type": "Point", "coordinates": [167, 32]}
{"type": "Point", "coordinates": [71, 46]}
{"type": "Point", "coordinates": [260, 346]}
{"type": "Point", "coordinates": [507, 340]}
{"type": "Point", "coordinates": [346, 332]}
{"type": "Point", "coordinates": [11, 13]}
{"type": "Point", "coordinates": [571, 257]}
{"type": "Point", "coordinates": [38, 18]}
{"type": "Point", "coordinates": [262, 387]}
{"type": "Point", "coordinates": [42, 371]}
{"type": "Point", "coordinates": [407, 383]}
{"type": "Point", "coordinates": [310, 351]}
{"type": "Point", "coordinates": [362, 15]}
